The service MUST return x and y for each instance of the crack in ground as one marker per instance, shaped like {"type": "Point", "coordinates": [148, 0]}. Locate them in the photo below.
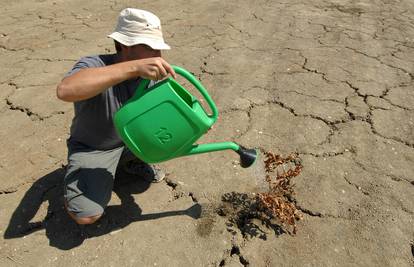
{"type": "Point", "coordinates": [235, 250]}
{"type": "Point", "coordinates": [375, 172]}
{"type": "Point", "coordinates": [319, 214]}
{"type": "Point", "coordinates": [398, 179]}
{"type": "Point", "coordinates": [333, 129]}
{"type": "Point", "coordinates": [50, 59]}
{"type": "Point", "coordinates": [32, 115]}
{"type": "Point", "coordinates": [396, 139]}
{"type": "Point", "coordinates": [3, 47]}
{"type": "Point", "coordinates": [369, 118]}
{"type": "Point", "coordinates": [8, 191]}
{"type": "Point", "coordinates": [309, 212]}
{"type": "Point", "coordinates": [203, 70]}
{"type": "Point", "coordinates": [249, 123]}
{"type": "Point", "coordinates": [350, 114]}
{"type": "Point", "coordinates": [406, 210]}
{"type": "Point", "coordinates": [359, 188]}
{"type": "Point", "coordinates": [317, 97]}
{"type": "Point", "coordinates": [342, 29]}
{"type": "Point", "coordinates": [328, 154]}
{"type": "Point", "coordinates": [179, 193]}
{"type": "Point", "coordinates": [173, 185]}
{"type": "Point", "coordinates": [248, 112]}
{"type": "Point", "coordinates": [380, 61]}
{"type": "Point", "coordinates": [356, 89]}
{"type": "Point", "coordinates": [323, 75]}
{"type": "Point", "coordinates": [27, 111]}
{"type": "Point", "coordinates": [30, 180]}
{"type": "Point", "coordinates": [292, 111]}
{"type": "Point", "coordinates": [347, 10]}
{"type": "Point", "coordinates": [330, 124]}
{"type": "Point", "coordinates": [395, 105]}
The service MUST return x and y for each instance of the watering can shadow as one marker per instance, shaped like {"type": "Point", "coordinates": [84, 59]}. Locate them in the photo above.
{"type": "Point", "coordinates": [164, 122]}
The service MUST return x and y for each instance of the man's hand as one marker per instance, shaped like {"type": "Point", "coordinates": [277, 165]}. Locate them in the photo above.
{"type": "Point", "coordinates": [154, 68]}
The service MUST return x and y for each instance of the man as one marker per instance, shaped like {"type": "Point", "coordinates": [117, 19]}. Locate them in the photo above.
{"type": "Point", "coordinates": [99, 86]}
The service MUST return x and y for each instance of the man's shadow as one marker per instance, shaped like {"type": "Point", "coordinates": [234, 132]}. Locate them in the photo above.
{"type": "Point", "coordinates": [61, 230]}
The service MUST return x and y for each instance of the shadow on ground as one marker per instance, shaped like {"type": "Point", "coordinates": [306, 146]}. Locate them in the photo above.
{"type": "Point", "coordinates": [61, 230]}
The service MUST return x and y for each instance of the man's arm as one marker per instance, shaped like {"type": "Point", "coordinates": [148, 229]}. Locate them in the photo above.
{"type": "Point", "coordinates": [90, 82]}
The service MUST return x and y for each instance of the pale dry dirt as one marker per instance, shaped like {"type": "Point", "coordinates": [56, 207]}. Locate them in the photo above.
{"type": "Point", "coordinates": [330, 80]}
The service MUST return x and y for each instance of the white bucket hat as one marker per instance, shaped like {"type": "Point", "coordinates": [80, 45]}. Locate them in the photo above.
{"type": "Point", "coordinates": [136, 26]}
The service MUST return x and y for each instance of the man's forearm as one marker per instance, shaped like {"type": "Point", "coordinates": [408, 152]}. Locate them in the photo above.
{"type": "Point", "coordinates": [90, 82]}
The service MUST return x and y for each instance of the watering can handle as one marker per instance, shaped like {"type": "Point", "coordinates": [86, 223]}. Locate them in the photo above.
{"type": "Point", "coordinates": [200, 88]}
{"type": "Point", "coordinates": [193, 80]}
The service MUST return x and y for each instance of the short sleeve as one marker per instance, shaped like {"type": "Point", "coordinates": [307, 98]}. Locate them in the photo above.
{"type": "Point", "coordinates": [85, 62]}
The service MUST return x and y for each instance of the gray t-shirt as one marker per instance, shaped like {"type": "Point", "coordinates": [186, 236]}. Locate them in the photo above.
{"type": "Point", "coordinates": [92, 125]}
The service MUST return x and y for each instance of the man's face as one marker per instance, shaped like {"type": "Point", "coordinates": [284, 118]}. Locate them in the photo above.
{"type": "Point", "coordinates": [139, 51]}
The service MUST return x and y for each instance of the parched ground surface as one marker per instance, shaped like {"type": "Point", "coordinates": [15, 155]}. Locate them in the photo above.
{"type": "Point", "coordinates": [330, 80]}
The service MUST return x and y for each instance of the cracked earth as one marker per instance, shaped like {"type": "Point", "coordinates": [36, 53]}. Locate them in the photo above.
{"type": "Point", "coordinates": [330, 80]}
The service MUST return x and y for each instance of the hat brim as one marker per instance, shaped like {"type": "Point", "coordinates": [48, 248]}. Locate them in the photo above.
{"type": "Point", "coordinates": [130, 41]}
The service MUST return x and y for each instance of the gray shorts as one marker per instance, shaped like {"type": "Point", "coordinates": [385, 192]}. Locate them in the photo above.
{"type": "Point", "coordinates": [90, 177]}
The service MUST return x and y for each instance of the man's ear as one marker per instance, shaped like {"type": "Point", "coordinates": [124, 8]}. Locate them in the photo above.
{"type": "Point", "coordinates": [124, 47]}
{"type": "Point", "coordinates": [120, 47]}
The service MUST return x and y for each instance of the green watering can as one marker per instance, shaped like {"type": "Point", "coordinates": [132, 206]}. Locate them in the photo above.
{"type": "Point", "coordinates": [164, 121]}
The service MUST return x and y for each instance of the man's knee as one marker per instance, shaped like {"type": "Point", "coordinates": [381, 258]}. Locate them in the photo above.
{"type": "Point", "coordinates": [84, 220]}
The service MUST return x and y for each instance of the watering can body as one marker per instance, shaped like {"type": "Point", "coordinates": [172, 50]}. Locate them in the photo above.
{"type": "Point", "coordinates": [164, 121]}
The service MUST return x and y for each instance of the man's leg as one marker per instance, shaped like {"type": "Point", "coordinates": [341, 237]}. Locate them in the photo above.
{"type": "Point", "coordinates": [133, 165]}
{"type": "Point", "coordinates": [88, 182]}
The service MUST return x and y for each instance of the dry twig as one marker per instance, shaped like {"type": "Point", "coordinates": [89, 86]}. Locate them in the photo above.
{"type": "Point", "coordinates": [278, 201]}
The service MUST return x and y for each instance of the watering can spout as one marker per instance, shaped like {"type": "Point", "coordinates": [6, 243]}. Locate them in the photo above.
{"type": "Point", "coordinates": [247, 156]}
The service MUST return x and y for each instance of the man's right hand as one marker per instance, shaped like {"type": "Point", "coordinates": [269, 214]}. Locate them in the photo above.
{"type": "Point", "coordinates": [154, 68]}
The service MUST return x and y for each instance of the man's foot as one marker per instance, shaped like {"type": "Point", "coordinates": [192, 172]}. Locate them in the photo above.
{"type": "Point", "coordinates": [150, 173]}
